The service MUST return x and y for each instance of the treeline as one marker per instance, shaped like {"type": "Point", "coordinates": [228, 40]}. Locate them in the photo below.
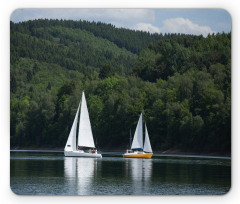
{"type": "Point", "coordinates": [181, 83]}
{"type": "Point", "coordinates": [73, 49]}
{"type": "Point", "coordinates": [134, 41]}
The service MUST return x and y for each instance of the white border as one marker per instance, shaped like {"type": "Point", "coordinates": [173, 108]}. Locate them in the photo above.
{"type": "Point", "coordinates": [6, 9]}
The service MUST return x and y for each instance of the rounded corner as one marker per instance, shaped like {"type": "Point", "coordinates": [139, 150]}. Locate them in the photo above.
{"type": "Point", "coordinates": [13, 192]}
{"type": "Point", "coordinates": [227, 11]}
{"type": "Point", "coordinates": [12, 12]}
{"type": "Point", "coordinates": [227, 192]}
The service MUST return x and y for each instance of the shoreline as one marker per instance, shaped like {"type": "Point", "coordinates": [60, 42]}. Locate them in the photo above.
{"type": "Point", "coordinates": [167, 152]}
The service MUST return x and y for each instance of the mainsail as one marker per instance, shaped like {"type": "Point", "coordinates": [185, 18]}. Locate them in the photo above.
{"type": "Point", "coordinates": [85, 136]}
{"type": "Point", "coordinates": [138, 136]}
{"type": "Point", "coordinates": [147, 145]}
{"type": "Point", "coordinates": [71, 142]}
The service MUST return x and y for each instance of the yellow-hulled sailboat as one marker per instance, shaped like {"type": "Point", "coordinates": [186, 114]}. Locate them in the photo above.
{"type": "Point", "coordinates": [137, 149]}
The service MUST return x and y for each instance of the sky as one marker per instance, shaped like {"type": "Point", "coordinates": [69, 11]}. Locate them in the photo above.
{"type": "Point", "coordinates": [188, 21]}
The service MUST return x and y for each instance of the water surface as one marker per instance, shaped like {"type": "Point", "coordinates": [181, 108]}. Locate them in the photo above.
{"type": "Point", "coordinates": [50, 173]}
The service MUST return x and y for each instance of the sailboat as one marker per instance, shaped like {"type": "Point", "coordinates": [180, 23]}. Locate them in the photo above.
{"type": "Point", "coordinates": [84, 146]}
{"type": "Point", "coordinates": [138, 150]}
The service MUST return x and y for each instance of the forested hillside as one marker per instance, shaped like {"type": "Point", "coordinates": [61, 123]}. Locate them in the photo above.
{"type": "Point", "coordinates": [181, 83]}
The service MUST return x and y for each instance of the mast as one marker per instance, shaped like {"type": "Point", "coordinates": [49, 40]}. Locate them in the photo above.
{"type": "Point", "coordinates": [130, 139]}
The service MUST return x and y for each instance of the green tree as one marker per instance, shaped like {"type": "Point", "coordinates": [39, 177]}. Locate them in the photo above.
{"type": "Point", "coordinates": [106, 71]}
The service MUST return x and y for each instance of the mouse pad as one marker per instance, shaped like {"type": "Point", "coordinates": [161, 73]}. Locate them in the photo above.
{"type": "Point", "coordinates": [120, 102]}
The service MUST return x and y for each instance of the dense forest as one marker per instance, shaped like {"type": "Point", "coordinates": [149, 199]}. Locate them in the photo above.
{"type": "Point", "coordinates": [181, 84]}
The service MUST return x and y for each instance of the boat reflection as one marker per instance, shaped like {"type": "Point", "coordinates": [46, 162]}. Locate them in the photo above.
{"type": "Point", "coordinates": [79, 174]}
{"type": "Point", "coordinates": [140, 173]}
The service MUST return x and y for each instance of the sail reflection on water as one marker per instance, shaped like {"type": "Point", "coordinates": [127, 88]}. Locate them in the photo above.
{"type": "Point", "coordinates": [140, 174]}
{"type": "Point", "coordinates": [147, 169]}
{"type": "Point", "coordinates": [79, 174]}
{"type": "Point", "coordinates": [85, 172]}
{"type": "Point", "coordinates": [70, 167]}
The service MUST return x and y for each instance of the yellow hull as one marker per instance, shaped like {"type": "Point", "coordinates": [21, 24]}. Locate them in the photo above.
{"type": "Point", "coordinates": [148, 156]}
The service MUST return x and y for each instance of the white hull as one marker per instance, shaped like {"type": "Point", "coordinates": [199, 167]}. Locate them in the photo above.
{"type": "Point", "coordinates": [81, 154]}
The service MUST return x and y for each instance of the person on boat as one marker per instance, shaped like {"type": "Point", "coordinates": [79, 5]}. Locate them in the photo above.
{"type": "Point", "coordinates": [93, 151]}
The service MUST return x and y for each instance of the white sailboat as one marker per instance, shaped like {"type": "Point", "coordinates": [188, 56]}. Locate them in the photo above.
{"type": "Point", "coordinates": [85, 146]}
{"type": "Point", "coordinates": [138, 150]}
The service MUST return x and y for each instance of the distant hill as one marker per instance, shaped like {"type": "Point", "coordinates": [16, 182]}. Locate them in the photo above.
{"type": "Point", "coordinates": [181, 83]}
{"type": "Point", "coordinates": [71, 48]}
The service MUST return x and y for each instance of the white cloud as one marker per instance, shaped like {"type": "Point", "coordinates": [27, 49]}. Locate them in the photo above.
{"type": "Point", "coordinates": [181, 25]}
{"type": "Point", "coordinates": [175, 25]}
{"type": "Point", "coordinates": [105, 15]}
{"type": "Point", "coordinates": [133, 15]}
{"type": "Point", "coordinates": [147, 27]}
{"type": "Point", "coordinates": [137, 19]}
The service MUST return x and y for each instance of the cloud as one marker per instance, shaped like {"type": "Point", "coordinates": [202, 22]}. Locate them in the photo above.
{"type": "Point", "coordinates": [181, 25]}
{"type": "Point", "coordinates": [137, 19]}
{"type": "Point", "coordinates": [133, 15]}
{"type": "Point", "coordinates": [175, 25]}
{"type": "Point", "coordinates": [105, 15]}
{"type": "Point", "coordinates": [146, 27]}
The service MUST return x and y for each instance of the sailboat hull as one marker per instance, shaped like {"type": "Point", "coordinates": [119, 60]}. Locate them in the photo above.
{"type": "Point", "coordinates": [137, 155]}
{"type": "Point", "coordinates": [81, 154]}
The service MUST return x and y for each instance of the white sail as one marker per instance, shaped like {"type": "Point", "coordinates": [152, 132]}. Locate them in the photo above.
{"type": "Point", "coordinates": [138, 136]}
{"type": "Point", "coordinates": [147, 145]}
{"type": "Point", "coordinates": [71, 142]}
{"type": "Point", "coordinates": [85, 136]}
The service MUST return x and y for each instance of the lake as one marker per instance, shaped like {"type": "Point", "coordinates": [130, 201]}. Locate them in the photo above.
{"type": "Point", "coordinates": [50, 173]}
